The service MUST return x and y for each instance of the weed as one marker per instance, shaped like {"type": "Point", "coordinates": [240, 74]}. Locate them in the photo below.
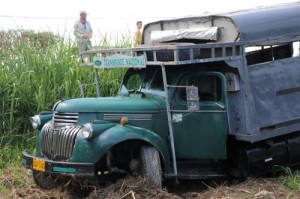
{"type": "Point", "coordinates": [292, 179]}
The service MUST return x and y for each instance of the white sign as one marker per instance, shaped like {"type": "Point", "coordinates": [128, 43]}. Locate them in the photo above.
{"type": "Point", "coordinates": [232, 82]}
{"type": "Point", "coordinates": [120, 61]}
{"type": "Point", "coordinates": [177, 117]}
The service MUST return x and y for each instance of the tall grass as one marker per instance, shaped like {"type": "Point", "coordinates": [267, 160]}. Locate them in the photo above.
{"type": "Point", "coordinates": [36, 69]}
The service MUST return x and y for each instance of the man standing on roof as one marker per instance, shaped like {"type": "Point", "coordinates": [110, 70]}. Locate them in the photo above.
{"type": "Point", "coordinates": [83, 32]}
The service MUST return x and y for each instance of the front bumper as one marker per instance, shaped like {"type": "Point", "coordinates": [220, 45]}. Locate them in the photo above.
{"type": "Point", "coordinates": [57, 167]}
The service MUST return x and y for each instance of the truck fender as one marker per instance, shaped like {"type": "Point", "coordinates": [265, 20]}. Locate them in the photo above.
{"type": "Point", "coordinates": [92, 150]}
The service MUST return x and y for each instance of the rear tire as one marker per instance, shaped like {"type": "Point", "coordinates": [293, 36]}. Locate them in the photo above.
{"type": "Point", "coordinates": [151, 166]}
{"type": "Point", "coordinates": [45, 181]}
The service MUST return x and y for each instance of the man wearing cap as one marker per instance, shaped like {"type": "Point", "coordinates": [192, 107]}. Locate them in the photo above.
{"type": "Point", "coordinates": [83, 32]}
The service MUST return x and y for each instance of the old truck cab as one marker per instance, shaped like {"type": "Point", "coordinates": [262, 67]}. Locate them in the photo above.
{"type": "Point", "coordinates": [203, 98]}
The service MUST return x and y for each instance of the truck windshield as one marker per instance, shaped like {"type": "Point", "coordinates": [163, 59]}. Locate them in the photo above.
{"type": "Point", "coordinates": [148, 80]}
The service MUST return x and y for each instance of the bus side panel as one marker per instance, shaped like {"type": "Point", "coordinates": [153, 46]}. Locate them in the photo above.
{"type": "Point", "coordinates": [275, 86]}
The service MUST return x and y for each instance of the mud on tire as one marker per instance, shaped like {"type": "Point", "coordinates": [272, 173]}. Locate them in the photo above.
{"type": "Point", "coordinates": [151, 166]}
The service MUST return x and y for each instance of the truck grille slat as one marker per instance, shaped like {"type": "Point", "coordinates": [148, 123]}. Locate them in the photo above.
{"type": "Point", "coordinates": [117, 117]}
{"type": "Point", "coordinates": [65, 142]}
{"type": "Point", "coordinates": [64, 119]}
{"type": "Point", "coordinates": [73, 135]}
{"type": "Point", "coordinates": [58, 136]}
{"type": "Point", "coordinates": [57, 116]}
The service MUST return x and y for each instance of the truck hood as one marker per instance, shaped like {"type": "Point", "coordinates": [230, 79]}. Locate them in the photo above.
{"type": "Point", "coordinates": [110, 104]}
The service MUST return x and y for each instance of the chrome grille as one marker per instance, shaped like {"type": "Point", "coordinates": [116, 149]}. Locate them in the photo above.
{"type": "Point", "coordinates": [57, 144]}
{"type": "Point", "coordinates": [117, 117]}
{"type": "Point", "coordinates": [64, 119]}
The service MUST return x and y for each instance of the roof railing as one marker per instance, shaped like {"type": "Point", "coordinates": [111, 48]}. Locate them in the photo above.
{"type": "Point", "coordinates": [171, 54]}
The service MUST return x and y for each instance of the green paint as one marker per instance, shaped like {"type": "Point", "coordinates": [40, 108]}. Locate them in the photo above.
{"type": "Point", "coordinates": [98, 146]}
{"type": "Point", "coordinates": [64, 170]}
{"type": "Point", "coordinates": [111, 105]}
{"type": "Point", "coordinates": [202, 134]}
{"type": "Point", "coordinates": [98, 63]}
{"type": "Point", "coordinates": [197, 135]}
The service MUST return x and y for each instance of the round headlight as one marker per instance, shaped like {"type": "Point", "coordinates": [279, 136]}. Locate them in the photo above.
{"type": "Point", "coordinates": [35, 121]}
{"type": "Point", "coordinates": [87, 131]}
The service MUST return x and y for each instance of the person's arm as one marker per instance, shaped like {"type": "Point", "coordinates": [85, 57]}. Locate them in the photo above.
{"type": "Point", "coordinates": [91, 30]}
{"type": "Point", "coordinates": [76, 31]}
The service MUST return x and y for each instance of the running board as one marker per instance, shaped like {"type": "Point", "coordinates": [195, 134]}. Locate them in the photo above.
{"type": "Point", "coordinates": [198, 173]}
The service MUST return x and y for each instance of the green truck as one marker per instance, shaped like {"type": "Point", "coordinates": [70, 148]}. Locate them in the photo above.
{"type": "Point", "coordinates": [204, 97]}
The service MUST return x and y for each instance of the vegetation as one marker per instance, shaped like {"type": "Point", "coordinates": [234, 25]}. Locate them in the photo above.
{"type": "Point", "coordinates": [36, 70]}
{"type": "Point", "coordinates": [292, 180]}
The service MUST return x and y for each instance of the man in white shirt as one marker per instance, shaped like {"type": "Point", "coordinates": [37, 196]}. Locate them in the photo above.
{"type": "Point", "coordinates": [83, 32]}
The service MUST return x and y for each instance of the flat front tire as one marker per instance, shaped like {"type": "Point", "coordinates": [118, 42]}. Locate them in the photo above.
{"type": "Point", "coordinates": [151, 166]}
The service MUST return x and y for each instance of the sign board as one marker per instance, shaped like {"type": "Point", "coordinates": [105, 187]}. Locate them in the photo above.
{"type": "Point", "coordinates": [192, 98]}
{"type": "Point", "coordinates": [120, 61]}
{"type": "Point", "coordinates": [232, 82]}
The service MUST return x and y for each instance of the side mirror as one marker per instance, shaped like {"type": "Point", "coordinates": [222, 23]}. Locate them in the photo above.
{"type": "Point", "coordinates": [192, 98]}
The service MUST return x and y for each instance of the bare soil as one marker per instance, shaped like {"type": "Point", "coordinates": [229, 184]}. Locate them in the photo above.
{"type": "Point", "coordinates": [137, 188]}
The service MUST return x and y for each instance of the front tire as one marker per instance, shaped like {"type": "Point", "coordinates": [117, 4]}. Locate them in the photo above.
{"type": "Point", "coordinates": [151, 166]}
{"type": "Point", "coordinates": [45, 181]}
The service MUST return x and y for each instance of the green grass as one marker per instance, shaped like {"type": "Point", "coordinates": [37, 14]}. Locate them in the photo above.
{"type": "Point", "coordinates": [292, 179]}
{"type": "Point", "coordinates": [36, 70]}
{"type": "Point", "coordinates": [12, 173]}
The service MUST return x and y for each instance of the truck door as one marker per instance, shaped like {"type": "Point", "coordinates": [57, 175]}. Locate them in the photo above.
{"type": "Point", "coordinates": [200, 133]}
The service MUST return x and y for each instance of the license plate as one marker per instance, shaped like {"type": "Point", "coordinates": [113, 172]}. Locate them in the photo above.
{"type": "Point", "coordinates": [38, 164]}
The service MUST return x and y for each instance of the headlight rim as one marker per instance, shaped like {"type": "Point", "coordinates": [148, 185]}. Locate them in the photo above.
{"type": "Point", "coordinates": [35, 121]}
{"type": "Point", "coordinates": [87, 131]}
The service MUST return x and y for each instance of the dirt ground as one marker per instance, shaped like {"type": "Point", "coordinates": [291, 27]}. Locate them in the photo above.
{"type": "Point", "coordinates": [137, 188]}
